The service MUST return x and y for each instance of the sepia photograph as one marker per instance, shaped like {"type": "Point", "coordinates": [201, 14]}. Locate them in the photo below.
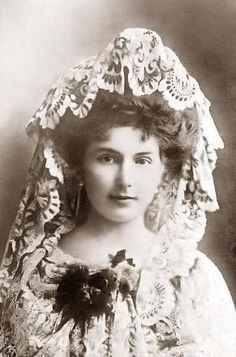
{"type": "Point", "coordinates": [118, 178]}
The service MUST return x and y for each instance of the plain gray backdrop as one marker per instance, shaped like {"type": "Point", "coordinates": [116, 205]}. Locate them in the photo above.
{"type": "Point", "coordinates": [39, 39]}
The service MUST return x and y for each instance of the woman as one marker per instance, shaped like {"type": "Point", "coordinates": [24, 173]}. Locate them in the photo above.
{"type": "Point", "coordinates": [102, 259]}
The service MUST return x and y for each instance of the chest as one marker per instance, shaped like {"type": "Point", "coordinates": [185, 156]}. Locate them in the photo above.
{"type": "Point", "coordinates": [99, 251]}
{"type": "Point", "coordinates": [37, 331]}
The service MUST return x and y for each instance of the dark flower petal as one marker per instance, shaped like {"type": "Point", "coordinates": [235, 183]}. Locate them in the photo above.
{"type": "Point", "coordinates": [124, 286]}
{"type": "Point", "coordinates": [118, 258]}
{"type": "Point", "coordinates": [130, 261]}
{"type": "Point", "coordinates": [98, 281]}
{"type": "Point", "coordinates": [73, 280]}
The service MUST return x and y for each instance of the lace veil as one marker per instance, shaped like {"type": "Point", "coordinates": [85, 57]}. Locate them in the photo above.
{"type": "Point", "coordinates": [138, 59]}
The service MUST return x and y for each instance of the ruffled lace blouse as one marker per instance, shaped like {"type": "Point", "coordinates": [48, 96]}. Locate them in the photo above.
{"type": "Point", "coordinates": [188, 313]}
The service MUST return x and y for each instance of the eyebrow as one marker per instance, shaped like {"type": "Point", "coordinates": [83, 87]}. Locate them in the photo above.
{"type": "Point", "coordinates": [119, 153]}
{"type": "Point", "coordinates": [144, 153]}
{"type": "Point", "coordinates": [106, 149]}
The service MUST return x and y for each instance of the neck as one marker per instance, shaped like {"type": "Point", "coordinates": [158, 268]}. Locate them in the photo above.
{"type": "Point", "coordinates": [100, 227]}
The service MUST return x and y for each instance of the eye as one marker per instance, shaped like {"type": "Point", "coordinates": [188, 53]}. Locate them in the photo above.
{"type": "Point", "coordinates": [107, 159]}
{"type": "Point", "coordinates": [143, 161]}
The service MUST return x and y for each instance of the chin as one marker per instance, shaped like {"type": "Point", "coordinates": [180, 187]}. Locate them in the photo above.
{"type": "Point", "coordinates": [122, 217]}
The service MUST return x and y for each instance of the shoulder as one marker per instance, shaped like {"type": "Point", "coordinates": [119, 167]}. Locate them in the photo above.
{"type": "Point", "coordinates": [206, 284]}
{"type": "Point", "coordinates": [208, 271]}
{"type": "Point", "coordinates": [207, 310]}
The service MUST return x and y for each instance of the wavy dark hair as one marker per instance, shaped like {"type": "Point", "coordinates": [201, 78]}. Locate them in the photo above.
{"type": "Point", "coordinates": [176, 131]}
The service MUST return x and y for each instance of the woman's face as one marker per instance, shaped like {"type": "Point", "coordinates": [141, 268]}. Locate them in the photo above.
{"type": "Point", "coordinates": [122, 173]}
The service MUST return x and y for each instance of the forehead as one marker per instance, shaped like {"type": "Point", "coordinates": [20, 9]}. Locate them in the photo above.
{"type": "Point", "coordinates": [125, 140]}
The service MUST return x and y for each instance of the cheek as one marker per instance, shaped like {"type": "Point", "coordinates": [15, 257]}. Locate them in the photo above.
{"type": "Point", "coordinates": [147, 192]}
{"type": "Point", "coordinates": [149, 180]}
{"type": "Point", "coordinates": [97, 180]}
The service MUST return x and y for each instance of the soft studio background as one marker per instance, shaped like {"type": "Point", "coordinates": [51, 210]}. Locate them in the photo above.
{"type": "Point", "coordinates": [41, 38]}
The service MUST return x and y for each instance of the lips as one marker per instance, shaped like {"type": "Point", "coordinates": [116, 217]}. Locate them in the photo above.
{"type": "Point", "coordinates": [122, 197]}
{"type": "Point", "coordinates": [123, 200]}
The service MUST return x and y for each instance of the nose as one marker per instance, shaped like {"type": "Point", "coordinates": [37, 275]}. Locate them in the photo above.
{"type": "Point", "coordinates": [124, 177]}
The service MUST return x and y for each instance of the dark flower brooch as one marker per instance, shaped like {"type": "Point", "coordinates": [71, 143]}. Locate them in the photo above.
{"type": "Point", "coordinates": [82, 295]}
